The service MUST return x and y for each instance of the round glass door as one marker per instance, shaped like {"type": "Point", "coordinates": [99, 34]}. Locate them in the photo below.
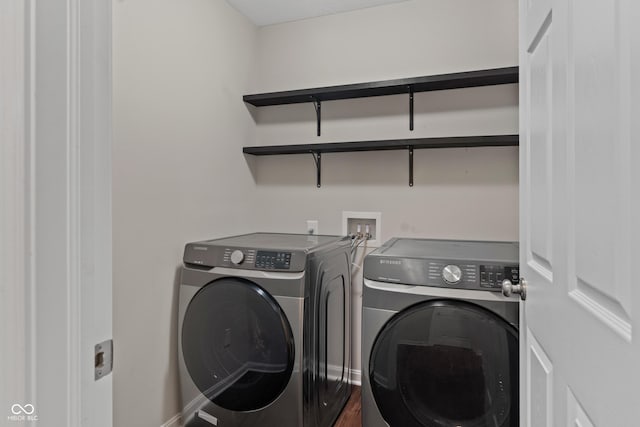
{"type": "Point", "coordinates": [237, 344]}
{"type": "Point", "coordinates": [446, 364]}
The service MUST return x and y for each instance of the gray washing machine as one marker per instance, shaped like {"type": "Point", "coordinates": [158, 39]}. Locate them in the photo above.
{"type": "Point", "coordinates": [264, 330]}
{"type": "Point", "coordinates": [439, 340]}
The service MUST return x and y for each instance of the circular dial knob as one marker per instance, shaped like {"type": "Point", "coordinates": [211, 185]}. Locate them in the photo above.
{"type": "Point", "coordinates": [451, 274]}
{"type": "Point", "coordinates": [237, 257]}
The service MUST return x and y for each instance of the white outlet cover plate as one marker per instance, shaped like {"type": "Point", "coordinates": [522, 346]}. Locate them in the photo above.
{"type": "Point", "coordinates": [312, 224]}
{"type": "Point", "coordinates": [346, 215]}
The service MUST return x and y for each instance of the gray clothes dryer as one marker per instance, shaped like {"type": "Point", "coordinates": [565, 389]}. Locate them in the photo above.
{"type": "Point", "coordinates": [439, 341]}
{"type": "Point", "coordinates": [264, 330]}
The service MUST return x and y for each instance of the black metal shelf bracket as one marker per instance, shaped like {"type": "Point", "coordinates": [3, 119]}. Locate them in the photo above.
{"type": "Point", "coordinates": [318, 106]}
{"type": "Point", "coordinates": [410, 166]}
{"type": "Point", "coordinates": [317, 158]}
{"type": "Point", "coordinates": [410, 107]}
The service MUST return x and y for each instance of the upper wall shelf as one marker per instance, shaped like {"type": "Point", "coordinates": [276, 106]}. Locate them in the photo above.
{"type": "Point", "coordinates": [394, 144]}
{"type": "Point", "coordinates": [495, 76]}
{"type": "Point", "coordinates": [390, 144]}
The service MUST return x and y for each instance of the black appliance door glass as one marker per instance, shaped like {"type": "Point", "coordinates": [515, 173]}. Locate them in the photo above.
{"type": "Point", "coordinates": [237, 345]}
{"type": "Point", "coordinates": [446, 364]}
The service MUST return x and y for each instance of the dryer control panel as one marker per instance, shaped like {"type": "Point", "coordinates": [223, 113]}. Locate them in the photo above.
{"type": "Point", "coordinates": [268, 252]}
{"type": "Point", "coordinates": [244, 258]}
{"type": "Point", "coordinates": [458, 274]}
{"type": "Point", "coordinates": [444, 263]}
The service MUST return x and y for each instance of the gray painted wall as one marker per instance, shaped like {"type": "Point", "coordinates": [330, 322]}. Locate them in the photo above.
{"type": "Point", "coordinates": [180, 67]}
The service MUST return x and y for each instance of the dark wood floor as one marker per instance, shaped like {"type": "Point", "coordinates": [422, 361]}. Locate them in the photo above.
{"type": "Point", "coordinates": [351, 415]}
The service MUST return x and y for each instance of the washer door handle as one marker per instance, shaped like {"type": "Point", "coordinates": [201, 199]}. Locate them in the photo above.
{"type": "Point", "coordinates": [509, 288]}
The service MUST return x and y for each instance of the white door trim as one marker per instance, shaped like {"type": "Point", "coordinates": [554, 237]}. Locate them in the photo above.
{"type": "Point", "coordinates": [74, 215]}
{"type": "Point", "coordinates": [93, 172]}
{"type": "Point", "coordinates": [13, 220]}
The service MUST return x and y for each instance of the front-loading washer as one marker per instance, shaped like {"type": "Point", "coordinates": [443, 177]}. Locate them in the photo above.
{"type": "Point", "coordinates": [264, 330]}
{"type": "Point", "coordinates": [439, 340]}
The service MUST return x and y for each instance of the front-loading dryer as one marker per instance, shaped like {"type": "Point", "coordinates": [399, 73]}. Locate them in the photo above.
{"type": "Point", "coordinates": [264, 330]}
{"type": "Point", "coordinates": [439, 340]}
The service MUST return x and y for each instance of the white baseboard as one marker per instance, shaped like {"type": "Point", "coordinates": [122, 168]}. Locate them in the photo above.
{"type": "Point", "coordinates": [176, 421]}
{"type": "Point", "coordinates": [356, 377]}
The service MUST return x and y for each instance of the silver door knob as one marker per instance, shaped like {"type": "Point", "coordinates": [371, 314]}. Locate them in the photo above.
{"type": "Point", "coordinates": [509, 288]}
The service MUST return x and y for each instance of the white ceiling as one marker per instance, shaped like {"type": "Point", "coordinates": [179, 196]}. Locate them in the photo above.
{"type": "Point", "coordinates": [266, 12]}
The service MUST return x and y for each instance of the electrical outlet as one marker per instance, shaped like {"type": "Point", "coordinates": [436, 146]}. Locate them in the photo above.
{"type": "Point", "coordinates": [312, 226]}
{"type": "Point", "coordinates": [364, 222]}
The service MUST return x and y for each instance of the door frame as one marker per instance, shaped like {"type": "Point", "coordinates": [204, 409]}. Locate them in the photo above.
{"type": "Point", "coordinates": [15, 287]}
{"type": "Point", "coordinates": [56, 176]}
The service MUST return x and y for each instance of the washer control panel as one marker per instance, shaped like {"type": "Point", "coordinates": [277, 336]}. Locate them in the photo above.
{"type": "Point", "coordinates": [271, 253]}
{"type": "Point", "coordinates": [446, 274]}
{"type": "Point", "coordinates": [454, 264]}
{"type": "Point", "coordinates": [257, 259]}
{"type": "Point", "coordinates": [205, 256]}
{"type": "Point", "coordinates": [260, 259]}
{"type": "Point", "coordinates": [270, 260]}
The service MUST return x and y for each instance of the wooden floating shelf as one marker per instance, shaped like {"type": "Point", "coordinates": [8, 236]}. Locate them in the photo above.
{"type": "Point", "coordinates": [495, 76]}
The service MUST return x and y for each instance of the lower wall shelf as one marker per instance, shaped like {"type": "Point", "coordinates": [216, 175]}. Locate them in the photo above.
{"type": "Point", "coordinates": [393, 144]}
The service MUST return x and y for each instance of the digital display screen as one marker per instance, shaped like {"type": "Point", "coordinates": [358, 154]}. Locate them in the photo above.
{"type": "Point", "coordinates": [273, 260]}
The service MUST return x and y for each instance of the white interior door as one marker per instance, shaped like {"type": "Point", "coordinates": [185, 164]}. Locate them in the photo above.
{"type": "Point", "coordinates": [70, 191]}
{"type": "Point", "coordinates": [55, 216]}
{"type": "Point", "coordinates": [580, 212]}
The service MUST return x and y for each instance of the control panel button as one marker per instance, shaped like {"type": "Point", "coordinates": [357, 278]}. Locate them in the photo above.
{"type": "Point", "coordinates": [451, 274]}
{"type": "Point", "coordinates": [237, 257]}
